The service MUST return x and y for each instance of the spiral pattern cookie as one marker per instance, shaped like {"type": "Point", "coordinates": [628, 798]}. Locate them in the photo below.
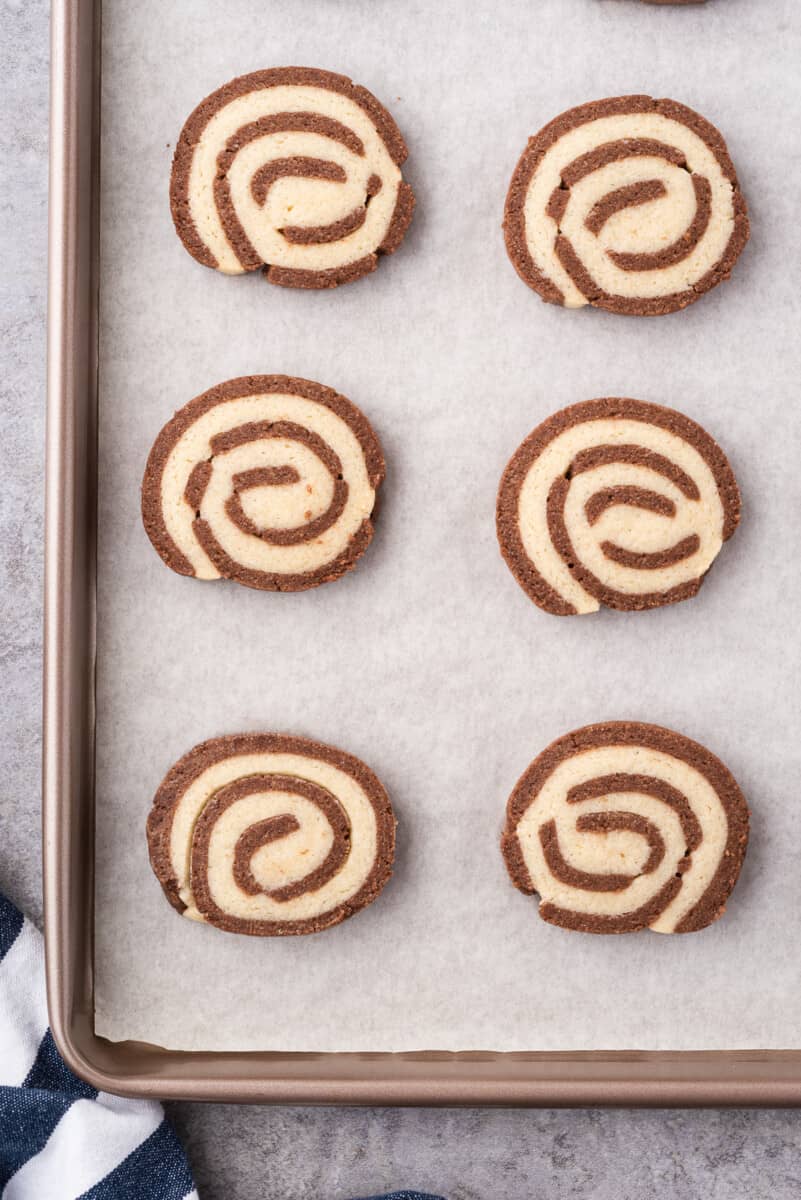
{"type": "Point", "coordinates": [615, 502]}
{"type": "Point", "coordinates": [270, 835]}
{"type": "Point", "coordinates": [266, 480]}
{"type": "Point", "coordinates": [630, 204]}
{"type": "Point", "coordinates": [625, 826]}
{"type": "Point", "coordinates": [294, 170]}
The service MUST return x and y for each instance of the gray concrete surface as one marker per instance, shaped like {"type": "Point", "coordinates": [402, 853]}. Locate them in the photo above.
{"type": "Point", "coordinates": [295, 1154]}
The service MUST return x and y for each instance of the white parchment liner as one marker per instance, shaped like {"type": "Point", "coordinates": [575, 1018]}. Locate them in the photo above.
{"type": "Point", "coordinates": [428, 661]}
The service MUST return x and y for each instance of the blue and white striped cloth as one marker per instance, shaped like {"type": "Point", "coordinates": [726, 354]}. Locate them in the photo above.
{"type": "Point", "coordinates": [61, 1139]}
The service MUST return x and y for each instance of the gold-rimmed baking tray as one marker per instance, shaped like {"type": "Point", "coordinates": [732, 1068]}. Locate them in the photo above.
{"type": "Point", "coordinates": [636, 1078]}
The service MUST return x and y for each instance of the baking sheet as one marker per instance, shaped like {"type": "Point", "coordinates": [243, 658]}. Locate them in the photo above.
{"type": "Point", "coordinates": [428, 661]}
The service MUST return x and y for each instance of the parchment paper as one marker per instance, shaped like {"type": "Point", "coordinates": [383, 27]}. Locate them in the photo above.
{"type": "Point", "coordinates": [428, 661]}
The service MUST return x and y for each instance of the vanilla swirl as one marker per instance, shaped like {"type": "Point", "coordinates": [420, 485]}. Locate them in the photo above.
{"type": "Point", "coordinates": [269, 835]}
{"type": "Point", "coordinates": [295, 170]}
{"type": "Point", "coordinates": [625, 826]}
{"type": "Point", "coordinates": [630, 204]}
{"type": "Point", "coordinates": [615, 502]}
{"type": "Point", "coordinates": [266, 480]}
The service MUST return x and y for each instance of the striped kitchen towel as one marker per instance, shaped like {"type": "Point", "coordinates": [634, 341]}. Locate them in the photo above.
{"type": "Point", "coordinates": [61, 1139]}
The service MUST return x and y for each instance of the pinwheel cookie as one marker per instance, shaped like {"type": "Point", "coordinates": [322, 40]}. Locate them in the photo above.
{"type": "Point", "coordinates": [615, 502]}
{"type": "Point", "coordinates": [270, 835]}
{"type": "Point", "coordinates": [266, 480]}
{"type": "Point", "coordinates": [293, 170]}
{"type": "Point", "coordinates": [630, 204]}
{"type": "Point", "coordinates": [625, 826]}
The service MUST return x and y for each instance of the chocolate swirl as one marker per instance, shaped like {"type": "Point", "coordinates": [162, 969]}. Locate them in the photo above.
{"type": "Point", "coordinates": [267, 480]}
{"type": "Point", "coordinates": [630, 204]}
{"type": "Point", "coordinates": [269, 835]}
{"type": "Point", "coordinates": [615, 502]}
{"type": "Point", "coordinates": [294, 170]}
{"type": "Point", "coordinates": [626, 826]}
